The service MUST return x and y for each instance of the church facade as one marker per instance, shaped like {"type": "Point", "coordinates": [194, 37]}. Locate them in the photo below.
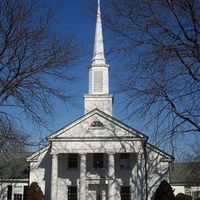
{"type": "Point", "coordinates": [98, 157]}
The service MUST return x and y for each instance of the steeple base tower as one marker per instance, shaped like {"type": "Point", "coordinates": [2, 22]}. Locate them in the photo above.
{"type": "Point", "coordinates": [101, 101]}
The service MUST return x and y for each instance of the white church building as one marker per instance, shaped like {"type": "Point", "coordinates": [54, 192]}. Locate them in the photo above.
{"type": "Point", "coordinates": [98, 157]}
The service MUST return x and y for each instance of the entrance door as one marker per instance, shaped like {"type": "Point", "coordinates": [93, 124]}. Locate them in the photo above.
{"type": "Point", "coordinates": [97, 192]}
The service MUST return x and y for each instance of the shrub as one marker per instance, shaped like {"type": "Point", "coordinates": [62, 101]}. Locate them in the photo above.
{"type": "Point", "coordinates": [181, 196]}
{"type": "Point", "coordinates": [164, 192]}
{"type": "Point", "coordinates": [34, 192]}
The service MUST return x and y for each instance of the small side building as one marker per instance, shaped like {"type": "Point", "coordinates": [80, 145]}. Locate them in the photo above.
{"type": "Point", "coordinates": [14, 176]}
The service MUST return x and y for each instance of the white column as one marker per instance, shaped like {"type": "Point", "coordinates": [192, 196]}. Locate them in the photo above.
{"type": "Point", "coordinates": [133, 178]}
{"type": "Point", "coordinates": [54, 176]}
{"type": "Point", "coordinates": [82, 184]}
{"type": "Point", "coordinates": [140, 177]}
{"type": "Point", "coordinates": [111, 177]}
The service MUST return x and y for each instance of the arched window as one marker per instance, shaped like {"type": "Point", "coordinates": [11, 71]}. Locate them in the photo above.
{"type": "Point", "coordinates": [97, 124]}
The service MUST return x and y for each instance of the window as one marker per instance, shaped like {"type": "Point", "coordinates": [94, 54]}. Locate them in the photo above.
{"type": "Point", "coordinates": [187, 190]}
{"type": "Point", "coordinates": [96, 124]}
{"type": "Point", "coordinates": [196, 194]}
{"type": "Point", "coordinates": [98, 160]}
{"type": "Point", "coordinates": [9, 192]}
{"type": "Point", "coordinates": [72, 161]}
{"type": "Point", "coordinates": [125, 193]}
{"type": "Point", "coordinates": [72, 193]}
{"type": "Point", "coordinates": [124, 161]}
{"type": "Point", "coordinates": [18, 192]}
{"type": "Point", "coordinates": [17, 196]}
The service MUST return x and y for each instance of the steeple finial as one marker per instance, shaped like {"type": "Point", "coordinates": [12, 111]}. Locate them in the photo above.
{"type": "Point", "coordinates": [98, 54]}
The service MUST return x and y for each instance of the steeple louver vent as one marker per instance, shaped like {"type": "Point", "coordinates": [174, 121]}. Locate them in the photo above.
{"type": "Point", "coordinates": [98, 81]}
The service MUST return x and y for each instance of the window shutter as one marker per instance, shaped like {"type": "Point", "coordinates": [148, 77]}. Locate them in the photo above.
{"type": "Point", "coordinates": [25, 192]}
{"type": "Point", "coordinates": [9, 192]}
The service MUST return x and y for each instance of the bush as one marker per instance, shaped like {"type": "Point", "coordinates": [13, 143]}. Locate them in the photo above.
{"type": "Point", "coordinates": [164, 192]}
{"type": "Point", "coordinates": [181, 196]}
{"type": "Point", "coordinates": [34, 192]}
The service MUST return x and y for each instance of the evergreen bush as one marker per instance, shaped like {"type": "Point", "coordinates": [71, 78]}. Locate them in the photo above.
{"type": "Point", "coordinates": [164, 192]}
{"type": "Point", "coordinates": [181, 196]}
{"type": "Point", "coordinates": [34, 192]}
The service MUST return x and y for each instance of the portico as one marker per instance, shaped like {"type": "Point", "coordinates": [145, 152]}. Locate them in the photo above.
{"type": "Point", "coordinates": [98, 172]}
{"type": "Point", "coordinates": [98, 183]}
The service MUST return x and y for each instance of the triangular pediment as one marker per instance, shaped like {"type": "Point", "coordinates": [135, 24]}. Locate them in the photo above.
{"type": "Point", "coordinates": [96, 124]}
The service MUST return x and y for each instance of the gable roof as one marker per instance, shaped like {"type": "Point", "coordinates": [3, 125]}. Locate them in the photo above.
{"type": "Point", "coordinates": [167, 157]}
{"type": "Point", "coordinates": [14, 166]}
{"type": "Point", "coordinates": [34, 156]}
{"type": "Point", "coordinates": [187, 173]}
{"type": "Point", "coordinates": [102, 114]}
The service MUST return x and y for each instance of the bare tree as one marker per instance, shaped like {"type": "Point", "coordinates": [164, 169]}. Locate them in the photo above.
{"type": "Point", "coordinates": [194, 151]}
{"type": "Point", "coordinates": [12, 139]}
{"type": "Point", "coordinates": [33, 59]}
{"type": "Point", "coordinates": [160, 44]}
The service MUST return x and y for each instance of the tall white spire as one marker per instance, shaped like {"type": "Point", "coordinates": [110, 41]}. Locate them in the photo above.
{"type": "Point", "coordinates": [98, 96]}
{"type": "Point", "coordinates": [98, 54]}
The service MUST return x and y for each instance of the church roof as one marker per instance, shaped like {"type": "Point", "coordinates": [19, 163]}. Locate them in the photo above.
{"type": "Point", "coordinates": [14, 166]}
{"type": "Point", "coordinates": [187, 173]}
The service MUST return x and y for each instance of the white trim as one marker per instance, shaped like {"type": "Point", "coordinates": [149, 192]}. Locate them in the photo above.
{"type": "Point", "coordinates": [14, 180]}
{"type": "Point", "coordinates": [33, 157]}
{"type": "Point", "coordinates": [161, 152]}
{"type": "Point", "coordinates": [79, 139]}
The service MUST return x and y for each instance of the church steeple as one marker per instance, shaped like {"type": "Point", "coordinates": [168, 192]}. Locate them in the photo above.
{"type": "Point", "coordinates": [98, 96]}
{"type": "Point", "coordinates": [98, 54]}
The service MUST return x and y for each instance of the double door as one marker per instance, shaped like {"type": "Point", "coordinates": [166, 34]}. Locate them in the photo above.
{"type": "Point", "coordinates": [97, 192]}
